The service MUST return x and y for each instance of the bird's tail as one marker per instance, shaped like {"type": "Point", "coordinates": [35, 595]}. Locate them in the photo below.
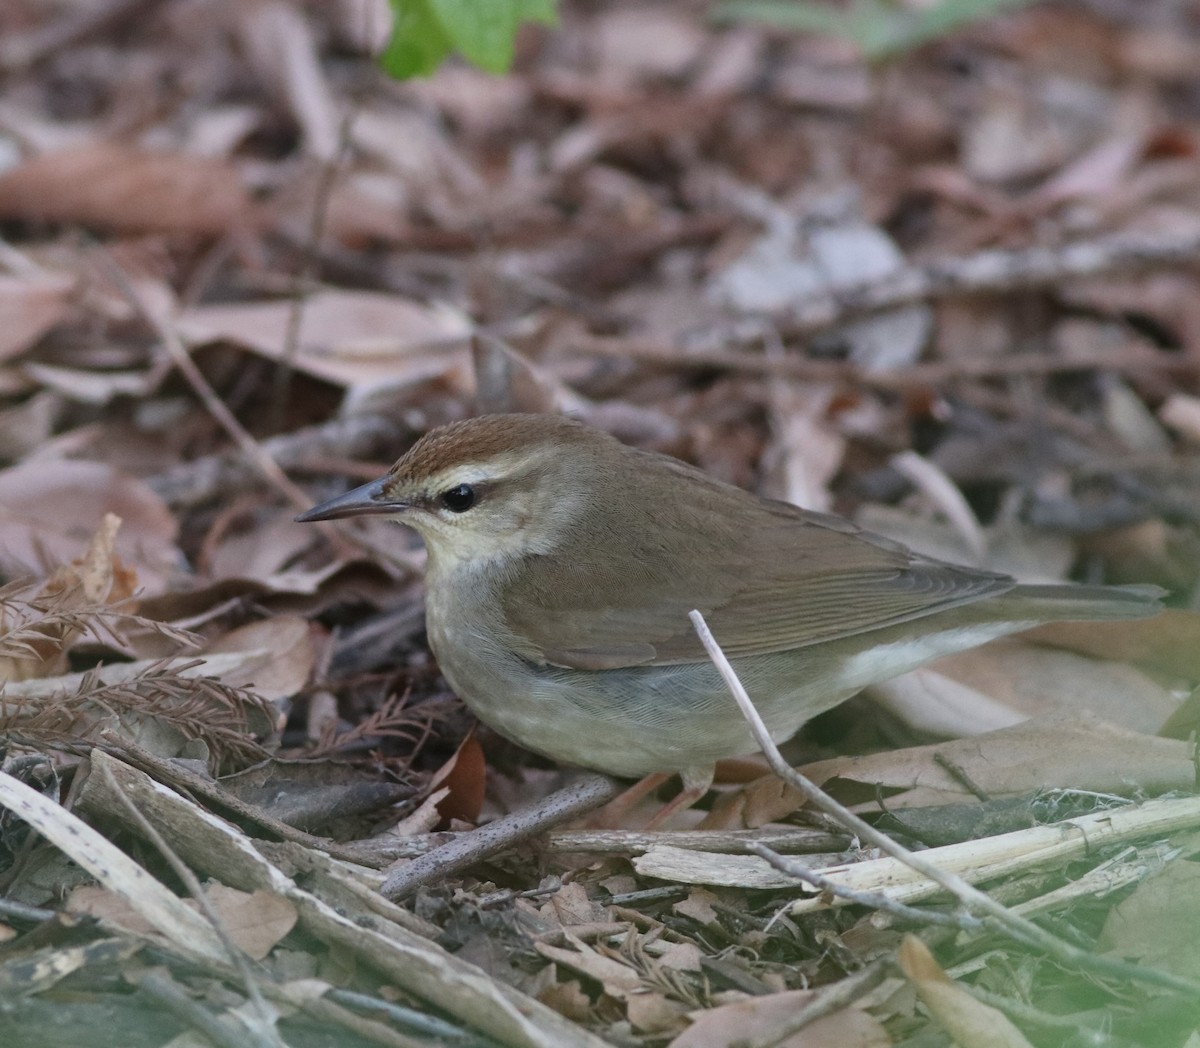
{"type": "Point", "coordinates": [1067, 603]}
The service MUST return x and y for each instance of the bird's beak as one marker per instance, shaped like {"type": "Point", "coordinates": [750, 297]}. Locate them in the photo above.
{"type": "Point", "coordinates": [368, 499]}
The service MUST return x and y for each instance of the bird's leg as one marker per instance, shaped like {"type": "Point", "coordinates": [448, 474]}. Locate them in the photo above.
{"type": "Point", "coordinates": [616, 812]}
{"type": "Point", "coordinates": [695, 786]}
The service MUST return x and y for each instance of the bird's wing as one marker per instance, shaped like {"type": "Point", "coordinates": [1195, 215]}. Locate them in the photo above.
{"type": "Point", "coordinates": [767, 576]}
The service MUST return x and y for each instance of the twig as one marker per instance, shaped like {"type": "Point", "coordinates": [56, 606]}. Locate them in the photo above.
{"type": "Point", "coordinates": [731, 842]}
{"type": "Point", "coordinates": [419, 1023]}
{"type": "Point", "coordinates": [165, 991]}
{"type": "Point", "coordinates": [310, 261]}
{"type": "Point", "coordinates": [184, 778]}
{"type": "Point", "coordinates": [370, 1030]}
{"type": "Point", "coordinates": [221, 476]}
{"type": "Point", "coordinates": [180, 357]}
{"type": "Point", "coordinates": [874, 900]}
{"type": "Point", "coordinates": [828, 1000]}
{"type": "Point", "coordinates": [580, 797]}
{"type": "Point", "coordinates": [996, 916]}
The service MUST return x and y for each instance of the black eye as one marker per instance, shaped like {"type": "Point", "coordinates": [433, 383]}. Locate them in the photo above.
{"type": "Point", "coordinates": [459, 499]}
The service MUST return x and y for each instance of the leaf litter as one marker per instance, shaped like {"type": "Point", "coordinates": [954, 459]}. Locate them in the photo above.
{"type": "Point", "coordinates": [951, 295]}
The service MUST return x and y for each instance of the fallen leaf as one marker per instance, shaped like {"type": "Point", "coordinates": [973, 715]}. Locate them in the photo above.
{"type": "Point", "coordinates": [277, 656]}
{"type": "Point", "coordinates": [759, 1020]}
{"type": "Point", "coordinates": [29, 307]}
{"type": "Point", "coordinates": [255, 921]}
{"type": "Point", "coordinates": [1158, 925]}
{"type": "Point", "coordinates": [464, 775]}
{"type": "Point", "coordinates": [1004, 682]}
{"type": "Point", "coordinates": [349, 338]}
{"type": "Point", "coordinates": [47, 512]}
{"type": "Point", "coordinates": [1070, 751]}
{"type": "Point", "coordinates": [115, 186]}
{"type": "Point", "coordinates": [970, 1023]}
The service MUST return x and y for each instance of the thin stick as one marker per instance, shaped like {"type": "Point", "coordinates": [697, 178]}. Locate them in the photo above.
{"type": "Point", "coordinates": [330, 169]}
{"type": "Point", "coordinates": [874, 900]}
{"type": "Point", "coordinates": [580, 797]}
{"type": "Point", "coordinates": [200, 385]}
{"type": "Point", "coordinates": [829, 999]}
{"type": "Point", "coordinates": [996, 916]}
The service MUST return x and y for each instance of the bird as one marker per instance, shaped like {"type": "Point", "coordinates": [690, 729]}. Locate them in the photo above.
{"type": "Point", "coordinates": [562, 566]}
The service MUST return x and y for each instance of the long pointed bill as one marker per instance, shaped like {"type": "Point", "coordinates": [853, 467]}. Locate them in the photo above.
{"type": "Point", "coordinates": [367, 499]}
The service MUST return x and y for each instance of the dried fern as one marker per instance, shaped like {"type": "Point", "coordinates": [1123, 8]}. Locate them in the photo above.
{"type": "Point", "coordinates": [38, 626]}
{"type": "Point", "coordinates": [391, 720]}
{"type": "Point", "coordinates": [224, 717]}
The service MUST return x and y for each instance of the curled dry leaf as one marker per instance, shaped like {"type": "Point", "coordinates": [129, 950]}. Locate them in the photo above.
{"type": "Point", "coordinates": [970, 1023]}
{"type": "Point", "coordinates": [120, 187]}
{"type": "Point", "coordinates": [464, 775]}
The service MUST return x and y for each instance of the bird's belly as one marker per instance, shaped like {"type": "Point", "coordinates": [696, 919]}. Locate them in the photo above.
{"type": "Point", "coordinates": [628, 722]}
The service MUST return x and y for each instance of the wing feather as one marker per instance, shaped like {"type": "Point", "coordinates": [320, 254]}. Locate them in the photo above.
{"type": "Point", "coordinates": [767, 576]}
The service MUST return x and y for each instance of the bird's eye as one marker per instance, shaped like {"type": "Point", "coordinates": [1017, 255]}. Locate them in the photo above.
{"type": "Point", "coordinates": [459, 499]}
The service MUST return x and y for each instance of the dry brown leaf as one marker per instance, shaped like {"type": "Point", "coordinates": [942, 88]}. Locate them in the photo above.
{"type": "Point", "coordinates": [618, 979]}
{"type": "Point", "coordinates": [115, 186]}
{"type": "Point", "coordinates": [29, 307]}
{"type": "Point", "coordinates": [348, 338]}
{"type": "Point", "coordinates": [255, 921]}
{"type": "Point", "coordinates": [93, 900]}
{"type": "Point", "coordinates": [48, 511]}
{"type": "Point", "coordinates": [1159, 924]}
{"type": "Point", "coordinates": [277, 656]}
{"type": "Point", "coordinates": [261, 552]}
{"type": "Point", "coordinates": [465, 777]}
{"type": "Point", "coordinates": [970, 1023]}
{"type": "Point", "coordinates": [95, 579]}
{"type": "Point", "coordinates": [567, 998]}
{"type": "Point", "coordinates": [640, 42]}
{"type": "Point", "coordinates": [1006, 681]}
{"type": "Point", "coordinates": [1167, 644]}
{"type": "Point", "coordinates": [1072, 751]}
{"type": "Point", "coordinates": [698, 906]}
{"type": "Point", "coordinates": [757, 1020]}
{"type": "Point", "coordinates": [570, 905]}
{"type": "Point", "coordinates": [651, 1012]}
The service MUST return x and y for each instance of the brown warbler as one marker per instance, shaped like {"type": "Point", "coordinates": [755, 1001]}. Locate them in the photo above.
{"type": "Point", "coordinates": [562, 566]}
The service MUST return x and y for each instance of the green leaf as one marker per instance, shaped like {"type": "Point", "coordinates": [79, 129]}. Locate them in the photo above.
{"type": "Point", "coordinates": [878, 27]}
{"type": "Point", "coordinates": [426, 31]}
{"type": "Point", "coordinates": [417, 45]}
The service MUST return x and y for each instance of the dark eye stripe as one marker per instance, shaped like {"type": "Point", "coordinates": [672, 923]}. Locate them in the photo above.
{"type": "Point", "coordinates": [459, 499]}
